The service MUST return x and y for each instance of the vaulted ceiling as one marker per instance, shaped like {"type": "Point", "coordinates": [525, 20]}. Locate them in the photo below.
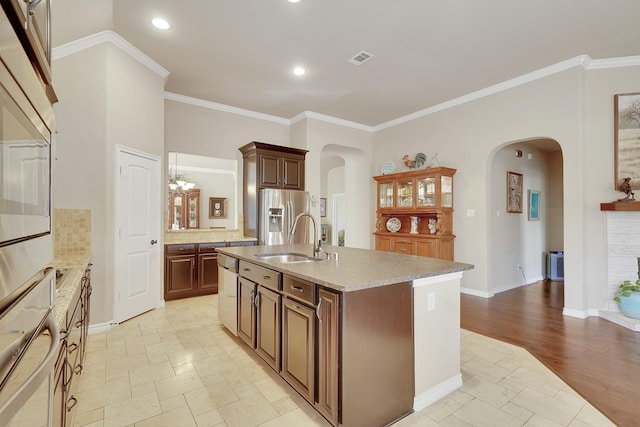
{"type": "Point", "coordinates": [240, 52]}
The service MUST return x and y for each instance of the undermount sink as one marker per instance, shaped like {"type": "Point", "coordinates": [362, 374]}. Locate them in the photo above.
{"type": "Point", "coordinates": [288, 257]}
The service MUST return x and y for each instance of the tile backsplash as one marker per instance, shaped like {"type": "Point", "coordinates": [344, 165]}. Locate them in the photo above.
{"type": "Point", "coordinates": [72, 231]}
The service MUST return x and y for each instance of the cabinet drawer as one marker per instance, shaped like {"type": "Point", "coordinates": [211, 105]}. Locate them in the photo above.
{"type": "Point", "coordinates": [260, 275]}
{"type": "Point", "coordinates": [210, 247]}
{"type": "Point", "coordinates": [185, 249]}
{"type": "Point", "coordinates": [298, 289]}
{"type": "Point", "coordinates": [403, 248]}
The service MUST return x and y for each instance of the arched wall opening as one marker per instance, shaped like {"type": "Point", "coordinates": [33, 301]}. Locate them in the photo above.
{"type": "Point", "coordinates": [342, 174]}
{"type": "Point", "coordinates": [520, 241]}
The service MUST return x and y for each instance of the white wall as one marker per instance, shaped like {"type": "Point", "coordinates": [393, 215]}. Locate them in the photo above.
{"type": "Point", "coordinates": [107, 98]}
{"type": "Point", "coordinates": [573, 107]}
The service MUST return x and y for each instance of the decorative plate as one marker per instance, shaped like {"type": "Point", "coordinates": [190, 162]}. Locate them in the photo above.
{"type": "Point", "coordinates": [388, 167]}
{"type": "Point", "coordinates": [393, 225]}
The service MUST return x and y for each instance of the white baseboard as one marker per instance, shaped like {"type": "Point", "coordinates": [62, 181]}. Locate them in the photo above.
{"type": "Point", "coordinates": [476, 293]}
{"type": "Point", "coordinates": [101, 327]}
{"type": "Point", "coordinates": [580, 314]}
{"type": "Point", "coordinates": [437, 392]}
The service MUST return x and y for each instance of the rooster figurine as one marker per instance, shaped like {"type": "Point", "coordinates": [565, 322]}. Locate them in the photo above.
{"type": "Point", "coordinates": [419, 161]}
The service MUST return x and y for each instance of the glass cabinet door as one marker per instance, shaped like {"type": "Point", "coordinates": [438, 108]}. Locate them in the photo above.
{"type": "Point", "coordinates": [385, 195]}
{"type": "Point", "coordinates": [426, 191]}
{"type": "Point", "coordinates": [404, 193]}
{"type": "Point", "coordinates": [447, 191]}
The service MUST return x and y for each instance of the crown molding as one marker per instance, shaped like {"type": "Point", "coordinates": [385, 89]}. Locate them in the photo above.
{"type": "Point", "coordinates": [225, 108]}
{"type": "Point", "coordinates": [500, 87]}
{"type": "Point", "coordinates": [625, 61]}
{"type": "Point", "coordinates": [330, 119]}
{"type": "Point", "coordinates": [108, 36]}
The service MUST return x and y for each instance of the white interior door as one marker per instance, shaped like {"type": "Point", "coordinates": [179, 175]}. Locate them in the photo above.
{"type": "Point", "coordinates": [137, 278]}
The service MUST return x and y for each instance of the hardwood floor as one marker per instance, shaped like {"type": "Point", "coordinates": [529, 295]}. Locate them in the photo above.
{"type": "Point", "coordinates": [597, 358]}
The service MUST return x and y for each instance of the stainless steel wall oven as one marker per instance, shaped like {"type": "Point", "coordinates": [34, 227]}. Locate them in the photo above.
{"type": "Point", "coordinates": [29, 337]}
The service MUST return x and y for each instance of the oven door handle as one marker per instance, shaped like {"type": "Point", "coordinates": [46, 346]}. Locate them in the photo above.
{"type": "Point", "coordinates": [10, 407]}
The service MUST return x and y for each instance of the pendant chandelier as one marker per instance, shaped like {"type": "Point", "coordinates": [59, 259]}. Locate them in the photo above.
{"type": "Point", "coordinates": [177, 183]}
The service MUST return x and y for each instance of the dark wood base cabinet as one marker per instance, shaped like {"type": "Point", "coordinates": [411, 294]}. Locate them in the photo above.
{"type": "Point", "coordinates": [350, 354]}
{"type": "Point", "coordinates": [70, 362]}
{"type": "Point", "coordinates": [191, 269]}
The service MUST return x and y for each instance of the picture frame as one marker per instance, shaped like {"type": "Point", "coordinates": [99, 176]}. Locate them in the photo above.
{"type": "Point", "coordinates": [514, 192]}
{"type": "Point", "coordinates": [217, 207]}
{"type": "Point", "coordinates": [323, 207]}
{"type": "Point", "coordinates": [534, 205]}
{"type": "Point", "coordinates": [626, 139]}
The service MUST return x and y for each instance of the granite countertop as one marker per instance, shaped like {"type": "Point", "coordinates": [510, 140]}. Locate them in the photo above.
{"type": "Point", "coordinates": [76, 263]}
{"type": "Point", "coordinates": [355, 269]}
{"type": "Point", "coordinates": [204, 236]}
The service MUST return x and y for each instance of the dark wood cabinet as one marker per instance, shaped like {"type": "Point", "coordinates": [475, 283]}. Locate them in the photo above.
{"type": "Point", "coordinates": [180, 271]}
{"type": "Point", "coordinates": [267, 304]}
{"type": "Point", "coordinates": [208, 266]}
{"type": "Point", "coordinates": [259, 305]}
{"type": "Point", "coordinates": [246, 311]}
{"type": "Point", "coordinates": [298, 336]}
{"type": "Point", "coordinates": [268, 166]}
{"type": "Point", "coordinates": [191, 269]}
{"type": "Point", "coordinates": [70, 362]}
{"type": "Point", "coordinates": [328, 309]}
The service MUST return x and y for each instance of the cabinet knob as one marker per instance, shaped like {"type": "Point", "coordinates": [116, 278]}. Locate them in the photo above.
{"type": "Point", "coordinates": [154, 241]}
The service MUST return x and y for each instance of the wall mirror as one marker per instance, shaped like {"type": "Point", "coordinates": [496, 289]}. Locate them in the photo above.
{"type": "Point", "coordinates": [193, 181]}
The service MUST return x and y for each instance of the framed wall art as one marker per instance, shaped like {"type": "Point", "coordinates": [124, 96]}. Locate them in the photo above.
{"type": "Point", "coordinates": [514, 192]}
{"type": "Point", "coordinates": [626, 108]}
{"type": "Point", "coordinates": [534, 205]}
{"type": "Point", "coordinates": [217, 207]}
{"type": "Point", "coordinates": [323, 207]}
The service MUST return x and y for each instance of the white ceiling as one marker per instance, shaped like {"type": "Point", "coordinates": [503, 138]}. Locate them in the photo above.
{"type": "Point", "coordinates": [240, 52]}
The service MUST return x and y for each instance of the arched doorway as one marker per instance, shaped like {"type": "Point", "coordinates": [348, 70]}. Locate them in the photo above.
{"type": "Point", "coordinates": [520, 241]}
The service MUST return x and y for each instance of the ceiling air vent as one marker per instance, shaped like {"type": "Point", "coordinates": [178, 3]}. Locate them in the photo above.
{"type": "Point", "coordinates": [360, 58]}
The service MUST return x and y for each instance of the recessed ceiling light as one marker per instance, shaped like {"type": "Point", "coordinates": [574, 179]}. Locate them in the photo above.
{"type": "Point", "coordinates": [299, 71]}
{"type": "Point", "coordinates": [160, 23]}
{"type": "Point", "coordinates": [294, 1]}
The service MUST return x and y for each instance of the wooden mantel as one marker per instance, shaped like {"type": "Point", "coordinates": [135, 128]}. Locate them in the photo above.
{"type": "Point", "coordinates": [620, 206]}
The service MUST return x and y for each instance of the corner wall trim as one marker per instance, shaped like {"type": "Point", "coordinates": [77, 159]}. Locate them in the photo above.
{"type": "Point", "coordinates": [115, 39]}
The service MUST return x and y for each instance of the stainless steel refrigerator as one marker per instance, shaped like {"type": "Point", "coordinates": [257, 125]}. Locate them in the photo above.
{"type": "Point", "coordinates": [278, 210]}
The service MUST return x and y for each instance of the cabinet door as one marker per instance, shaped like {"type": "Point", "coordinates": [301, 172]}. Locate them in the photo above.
{"type": "Point", "coordinates": [246, 311]}
{"type": "Point", "coordinates": [208, 273]}
{"type": "Point", "coordinates": [328, 314]}
{"type": "Point", "coordinates": [293, 174]}
{"type": "Point", "coordinates": [269, 167]}
{"type": "Point", "coordinates": [428, 248]}
{"type": "Point", "coordinates": [180, 276]}
{"type": "Point", "coordinates": [383, 243]}
{"type": "Point", "coordinates": [268, 326]}
{"type": "Point", "coordinates": [298, 347]}
{"type": "Point", "coordinates": [59, 399]}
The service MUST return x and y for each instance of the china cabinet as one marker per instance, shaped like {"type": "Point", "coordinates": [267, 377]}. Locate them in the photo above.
{"type": "Point", "coordinates": [415, 212]}
{"type": "Point", "coordinates": [184, 210]}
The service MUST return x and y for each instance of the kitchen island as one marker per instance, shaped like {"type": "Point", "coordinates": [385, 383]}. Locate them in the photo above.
{"type": "Point", "coordinates": [365, 336]}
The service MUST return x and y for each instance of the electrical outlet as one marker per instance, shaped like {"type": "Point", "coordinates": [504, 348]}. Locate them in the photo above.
{"type": "Point", "coordinates": [431, 301]}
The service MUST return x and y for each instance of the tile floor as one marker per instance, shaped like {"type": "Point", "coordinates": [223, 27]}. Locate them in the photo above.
{"type": "Point", "coordinates": [175, 366]}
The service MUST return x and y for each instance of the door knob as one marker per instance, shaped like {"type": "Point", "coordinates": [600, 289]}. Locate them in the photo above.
{"type": "Point", "coordinates": [153, 242]}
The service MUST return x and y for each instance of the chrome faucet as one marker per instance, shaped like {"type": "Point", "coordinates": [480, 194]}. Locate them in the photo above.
{"type": "Point", "coordinates": [317, 244]}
